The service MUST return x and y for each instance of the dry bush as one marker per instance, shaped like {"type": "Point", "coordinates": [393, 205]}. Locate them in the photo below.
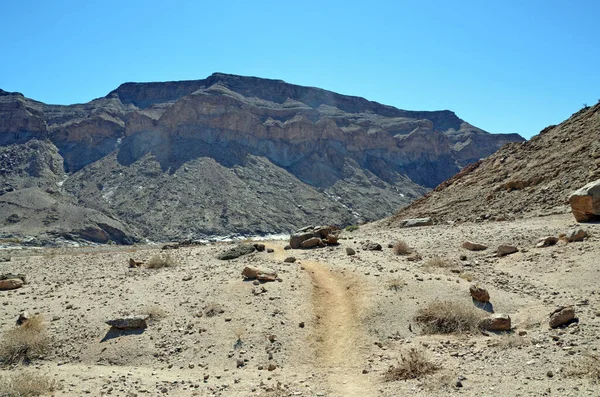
{"type": "Point", "coordinates": [25, 342]}
{"type": "Point", "coordinates": [25, 383]}
{"type": "Point", "coordinates": [412, 365]}
{"type": "Point", "coordinates": [467, 276]}
{"type": "Point", "coordinates": [154, 312]}
{"type": "Point", "coordinates": [448, 317]}
{"type": "Point", "coordinates": [395, 284]}
{"type": "Point", "coordinates": [213, 309]}
{"type": "Point", "coordinates": [401, 248]}
{"type": "Point", "coordinates": [438, 261]}
{"type": "Point", "coordinates": [588, 366]}
{"type": "Point", "coordinates": [158, 261]}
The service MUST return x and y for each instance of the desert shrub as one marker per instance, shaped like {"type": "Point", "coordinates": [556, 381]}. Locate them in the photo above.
{"type": "Point", "coordinates": [25, 342]}
{"type": "Point", "coordinates": [154, 312]}
{"type": "Point", "coordinates": [413, 364]}
{"type": "Point", "coordinates": [351, 228]}
{"type": "Point", "coordinates": [395, 284]}
{"type": "Point", "coordinates": [588, 366]}
{"type": "Point", "coordinates": [447, 317]}
{"type": "Point", "coordinates": [401, 248]}
{"type": "Point", "coordinates": [158, 261]}
{"type": "Point", "coordinates": [25, 383]}
{"type": "Point", "coordinates": [438, 261]}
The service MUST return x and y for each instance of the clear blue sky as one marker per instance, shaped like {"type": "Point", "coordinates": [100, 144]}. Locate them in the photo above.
{"type": "Point", "coordinates": [504, 66]}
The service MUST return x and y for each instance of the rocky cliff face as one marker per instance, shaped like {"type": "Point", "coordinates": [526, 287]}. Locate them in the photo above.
{"type": "Point", "coordinates": [235, 154]}
{"type": "Point", "coordinates": [522, 179]}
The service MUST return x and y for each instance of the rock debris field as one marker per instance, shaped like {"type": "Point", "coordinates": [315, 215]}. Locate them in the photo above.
{"type": "Point", "coordinates": [338, 320]}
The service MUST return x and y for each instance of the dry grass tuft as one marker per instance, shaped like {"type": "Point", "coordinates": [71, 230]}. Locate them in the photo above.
{"type": "Point", "coordinates": [438, 261]}
{"type": "Point", "coordinates": [154, 312]}
{"type": "Point", "coordinates": [25, 383]}
{"type": "Point", "coordinates": [157, 262]}
{"type": "Point", "coordinates": [588, 366]}
{"type": "Point", "coordinates": [401, 248]}
{"type": "Point", "coordinates": [395, 284]}
{"type": "Point", "coordinates": [412, 365]}
{"type": "Point", "coordinates": [448, 317]}
{"type": "Point", "coordinates": [24, 343]}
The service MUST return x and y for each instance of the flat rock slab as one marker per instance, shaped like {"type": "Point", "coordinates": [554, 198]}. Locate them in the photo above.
{"type": "Point", "coordinates": [236, 252]}
{"type": "Point", "coordinates": [416, 222]}
{"type": "Point", "coordinates": [471, 246]}
{"type": "Point", "coordinates": [311, 242]}
{"type": "Point", "coordinates": [504, 250]}
{"type": "Point", "coordinates": [297, 239]}
{"type": "Point", "coordinates": [130, 322]}
{"type": "Point", "coordinates": [496, 322]}
{"type": "Point", "coordinates": [585, 202]}
{"type": "Point", "coordinates": [259, 273]}
{"type": "Point", "coordinates": [11, 283]}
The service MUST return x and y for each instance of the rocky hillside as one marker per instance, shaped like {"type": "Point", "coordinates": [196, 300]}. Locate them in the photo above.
{"type": "Point", "coordinates": [230, 154]}
{"type": "Point", "coordinates": [524, 179]}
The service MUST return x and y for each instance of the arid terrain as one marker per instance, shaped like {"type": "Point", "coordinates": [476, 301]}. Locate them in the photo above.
{"type": "Point", "coordinates": [332, 325]}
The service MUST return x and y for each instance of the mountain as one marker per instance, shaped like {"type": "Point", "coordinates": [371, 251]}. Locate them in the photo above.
{"type": "Point", "coordinates": [523, 179]}
{"type": "Point", "coordinates": [229, 154]}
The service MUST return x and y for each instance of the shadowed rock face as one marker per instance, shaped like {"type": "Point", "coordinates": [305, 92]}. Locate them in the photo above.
{"type": "Point", "coordinates": [275, 148]}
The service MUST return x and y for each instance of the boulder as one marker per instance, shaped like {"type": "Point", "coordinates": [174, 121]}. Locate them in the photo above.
{"type": "Point", "coordinates": [350, 251]}
{"type": "Point", "coordinates": [416, 222]}
{"type": "Point", "coordinates": [585, 202]}
{"type": "Point", "coordinates": [259, 273]}
{"type": "Point", "coordinates": [311, 242]}
{"type": "Point", "coordinates": [496, 322]}
{"type": "Point", "coordinates": [562, 315]}
{"type": "Point", "coordinates": [332, 239]}
{"type": "Point", "coordinates": [322, 231]}
{"type": "Point", "coordinates": [290, 259]}
{"type": "Point", "coordinates": [471, 246]}
{"type": "Point", "coordinates": [479, 294]}
{"type": "Point", "coordinates": [10, 283]}
{"type": "Point", "coordinates": [129, 322]}
{"type": "Point", "coordinates": [297, 239]}
{"type": "Point", "coordinates": [504, 250]}
{"type": "Point", "coordinates": [575, 234]}
{"type": "Point", "coordinates": [236, 252]}
{"type": "Point", "coordinates": [547, 241]}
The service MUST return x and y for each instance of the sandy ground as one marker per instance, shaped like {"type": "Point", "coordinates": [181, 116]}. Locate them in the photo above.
{"type": "Point", "coordinates": [330, 327]}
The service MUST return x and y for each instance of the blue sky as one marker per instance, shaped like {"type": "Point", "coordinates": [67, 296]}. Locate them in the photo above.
{"type": "Point", "coordinates": [504, 66]}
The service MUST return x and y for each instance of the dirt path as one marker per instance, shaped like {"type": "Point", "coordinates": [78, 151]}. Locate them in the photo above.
{"type": "Point", "coordinates": [339, 332]}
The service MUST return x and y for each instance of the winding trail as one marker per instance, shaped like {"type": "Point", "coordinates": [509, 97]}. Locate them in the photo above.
{"type": "Point", "coordinates": [339, 333]}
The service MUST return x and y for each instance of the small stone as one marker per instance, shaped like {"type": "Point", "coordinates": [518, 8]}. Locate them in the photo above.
{"type": "Point", "coordinates": [290, 259]}
{"type": "Point", "coordinates": [550, 374]}
{"type": "Point", "coordinates": [259, 273]}
{"type": "Point", "coordinates": [272, 367]}
{"type": "Point", "coordinates": [130, 322]}
{"type": "Point", "coordinates": [239, 363]}
{"type": "Point", "coordinates": [350, 251]}
{"type": "Point", "coordinates": [547, 241]}
{"type": "Point", "coordinates": [11, 283]}
{"type": "Point", "coordinates": [575, 235]}
{"type": "Point", "coordinates": [301, 324]}
{"type": "Point", "coordinates": [505, 249]}
{"type": "Point", "coordinates": [23, 317]}
{"type": "Point", "coordinates": [471, 246]}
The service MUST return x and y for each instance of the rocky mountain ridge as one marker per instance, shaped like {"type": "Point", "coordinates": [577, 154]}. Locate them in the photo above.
{"type": "Point", "coordinates": [526, 179]}
{"type": "Point", "coordinates": [232, 154]}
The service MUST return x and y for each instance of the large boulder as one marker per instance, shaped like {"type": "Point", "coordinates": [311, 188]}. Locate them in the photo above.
{"type": "Point", "coordinates": [296, 239]}
{"type": "Point", "coordinates": [311, 242]}
{"type": "Point", "coordinates": [236, 252]}
{"type": "Point", "coordinates": [585, 202]}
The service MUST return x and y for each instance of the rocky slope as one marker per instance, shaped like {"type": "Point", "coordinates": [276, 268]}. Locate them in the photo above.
{"type": "Point", "coordinates": [522, 179]}
{"type": "Point", "coordinates": [232, 154]}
